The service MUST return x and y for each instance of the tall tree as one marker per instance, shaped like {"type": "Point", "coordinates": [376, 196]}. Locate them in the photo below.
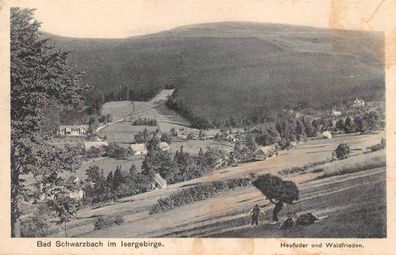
{"type": "Point", "coordinates": [118, 178]}
{"type": "Point", "coordinates": [40, 77]}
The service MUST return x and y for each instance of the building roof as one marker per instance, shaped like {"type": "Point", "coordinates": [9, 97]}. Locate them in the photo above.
{"type": "Point", "coordinates": [138, 147]}
{"type": "Point", "coordinates": [159, 180]}
{"type": "Point", "coordinates": [164, 146]}
{"type": "Point", "coordinates": [327, 134]}
{"type": "Point", "coordinates": [267, 150]}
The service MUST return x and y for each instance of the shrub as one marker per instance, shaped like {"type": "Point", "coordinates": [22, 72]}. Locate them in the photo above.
{"type": "Point", "coordinates": [119, 219]}
{"type": "Point", "coordinates": [342, 151]}
{"type": "Point", "coordinates": [94, 152]}
{"type": "Point", "coordinates": [107, 221]}
{"type": "Point", "coordinates": [379, 146]}
{"type": "Point", "coordinates": [144, 122]}
{"type": "Point", "coordinates": [115, 151]}
{"type": "Point", "coordinates": [34, 227]}
{"type": "Point", "coordinates": [198, 193]}
{"type": "Point", "coordinates": [274, 187]}
{"type": "Point", "coordinates": [166, 137]}
{"type": "Point", "coordinates": [292, 170]}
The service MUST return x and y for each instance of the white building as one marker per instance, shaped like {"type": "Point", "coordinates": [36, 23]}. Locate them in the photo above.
{"type": "Point", "coordinates": [335, 113]}
{"type": "Point", "coordinates": [326, 135]}
{"type": "Point", "coordinates": [139, 149]}
{"type": "Point", "coordinates": [358, 103]}
{"type": "Point", "coordinates": [73, 130]}
{"type": "Point", "coordinates": [265, 152]}
{"type": "Point", "coordinates": [164, 146]}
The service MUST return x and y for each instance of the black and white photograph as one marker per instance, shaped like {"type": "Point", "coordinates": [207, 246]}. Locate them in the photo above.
{"type": "Point", "coordinates": [146, 123]}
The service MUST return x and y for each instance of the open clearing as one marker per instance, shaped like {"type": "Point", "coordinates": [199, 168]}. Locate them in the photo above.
{"type": "Point", "coordinates": [226, 214]}
{"type": "Point", "coordinates": [122, 131]}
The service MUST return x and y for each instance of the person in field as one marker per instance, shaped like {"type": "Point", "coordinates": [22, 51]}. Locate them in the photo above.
{"type": "Point", "coordinates": [255, 213]}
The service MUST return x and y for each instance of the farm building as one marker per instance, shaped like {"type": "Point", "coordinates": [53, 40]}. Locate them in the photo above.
{"type": "Point", "coordinates": [94, 144]}
{"type": "Point", "coordinates": [158, 182]}
{"type": "Point", "coordinates": [335, 113]}
{"type": "Point", "coordinates": [164, 146]}
{"type": "Point", "coordinates": [73, 130]}
{"type": "Point", "coordinates": [358, 103]}
{"type": "Point", "coordinates": [265, 152]}
{"type": "Point", "coordinates": [77, 194]}
{"type": "Point", "coordinates": [326, 135]}
{"type": "Point", "coordinates": [139, 149]}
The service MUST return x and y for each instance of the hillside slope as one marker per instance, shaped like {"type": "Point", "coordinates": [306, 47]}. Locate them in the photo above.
{"type": "Point", "coordinates": [236, 69]}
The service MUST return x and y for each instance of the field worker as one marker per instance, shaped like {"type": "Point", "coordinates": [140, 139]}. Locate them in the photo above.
{"type": "Point", "coordinates": [277, 209]}
{"type": "Point", "coordinates": [255, 212]}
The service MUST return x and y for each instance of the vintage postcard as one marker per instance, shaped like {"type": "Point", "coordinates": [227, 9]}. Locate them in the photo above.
{"type": "Point", "coordinates": [198, 127]}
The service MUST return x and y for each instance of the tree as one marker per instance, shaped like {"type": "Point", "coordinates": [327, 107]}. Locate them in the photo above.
{"type": "Point", "coordinates": [40, 76]}
{"type": "Point", "coordinates": [349, 125]}
{"type": "Point", "coordinates": [95, 187]}
{"type": "Point", "coordinates": [109, 185]}
{"type": "Point", "coordinates": [342, 151]}
{"type": "Point", "coordinates": [118, 178]}
{"type": "Point", "coordinates": [166, 137]}
{"type": "Point", "coordinates": [361, 124]}
{"type": "Point", "coordinates": [251, 142]}
{"type": "Point", "coordinates": [340, 125]}
{"type": "Point", "coordinates": [115, 151]}
{"type": "Point", "coordinates": [65, 207]}
{"type": "Point", "coordinates": [157, 161]}
{"type": "Point", "coordinates": [36, 225]}
{"type": "Point", "coordinates": [277, 191]}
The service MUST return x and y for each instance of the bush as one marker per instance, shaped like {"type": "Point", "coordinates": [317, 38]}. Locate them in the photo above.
{"type": "Point", "coordinates": [94, 152]}
{"type": "Point", "coordinates": [34, 227]}
{"type": "Point", "coordinates": [166, 137]}
{"type": "Point", "coordinates": [379, 146]}
{"type": "Point", "coordinates": [119, 219]}
{"type": "Point", "coordinates": [115, 151]}
{"type": "Point", "coordinates": [198, 193]}
{"type": "Point", "coordinates": [144, 122]}
{"type": "Point", "coordinates": [274, 187]}
{"type": "Point", "coordinates": [107, 221]}
{"type": "Point", "coordinates": [342, 151]}
{"type": "Point", "coordinates": [292, 170]}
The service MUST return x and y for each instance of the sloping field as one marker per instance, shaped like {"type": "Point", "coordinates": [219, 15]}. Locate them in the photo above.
{"type": "Point", "coordinates": [123, 131]}
{"type": "Point", "coordinates": [232, 207]}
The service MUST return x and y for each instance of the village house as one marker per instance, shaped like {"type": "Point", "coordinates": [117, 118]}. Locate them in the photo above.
{"type": "Point", "coordinates": [73, 130]}
{"type": "Point", "coordinates": [78, 192]}
{"type": "Point", "coordinates": [335, 113]}
{"type": "Point", "coordinates": [265, 152]}
{"type": "Point", "coordinates": [326, 135]}
{"type": "Point", "coordinates": [358, 103]}
{"type": "Point", "coordinates": [158, 182]}
{"type": "Point", "coordinates": [164, 146]}
{"type": "Point", "coordinates": [139, 149]}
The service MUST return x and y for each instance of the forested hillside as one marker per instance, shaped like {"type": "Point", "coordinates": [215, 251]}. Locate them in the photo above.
{"type": "Point", "coordinates": [238, 70]}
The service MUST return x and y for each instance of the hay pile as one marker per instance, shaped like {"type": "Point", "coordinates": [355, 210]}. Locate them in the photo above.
{"type": "Point", "coordinates": [274, 187]}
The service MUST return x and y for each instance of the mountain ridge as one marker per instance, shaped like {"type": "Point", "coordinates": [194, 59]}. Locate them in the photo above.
{"type": "Point", "coordinates": [216, 65]}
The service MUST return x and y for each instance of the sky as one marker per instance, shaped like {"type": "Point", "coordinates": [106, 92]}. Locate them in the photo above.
{"type": "Point", "coordinates": [125, 18]}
